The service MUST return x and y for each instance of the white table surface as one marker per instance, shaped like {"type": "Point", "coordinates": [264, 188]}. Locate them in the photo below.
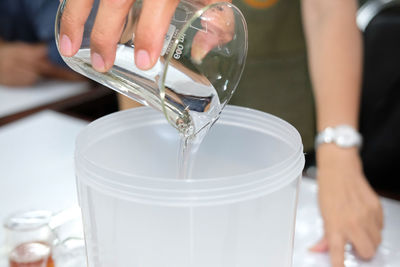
{"type": "Point", "coordinates": [36, 163]}
{"type": "Point", "coordinates": [18, 99]}
{"type": "Point", "coordinates": [309, 230]}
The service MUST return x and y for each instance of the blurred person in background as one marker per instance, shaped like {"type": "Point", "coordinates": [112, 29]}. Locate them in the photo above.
{"type": "Point", "coordinates": [28, 51]}
{"type": "Point", "coordinates": [276, 80]}
{"type": "Point", "coordinates": [380, 101]}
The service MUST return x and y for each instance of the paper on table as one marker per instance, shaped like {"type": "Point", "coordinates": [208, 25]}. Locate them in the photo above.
{"type": "Point", "coordinates": [14, 100]}
{"type": "Point", "coordinates": [309, 229]}
{"type": "Point", "coordinates": [36, 164]}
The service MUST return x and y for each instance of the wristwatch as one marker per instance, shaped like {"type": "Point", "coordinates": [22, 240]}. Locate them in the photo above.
{"type": "Point", "coordinates": [344, 136]}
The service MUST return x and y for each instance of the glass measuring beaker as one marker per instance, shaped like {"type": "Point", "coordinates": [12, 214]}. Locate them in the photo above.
{"type": "Point", "coordinates": [190, 92]}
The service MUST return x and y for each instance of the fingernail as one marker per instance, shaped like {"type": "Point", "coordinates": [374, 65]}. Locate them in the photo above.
{"type": "Point", "coordinates": [198, 52]}
{"type": "Point", "coordinates": [98, 62]}
{"type": "Point", "coordinates": [314, 248]}
{"type": "Point", "coordinates": [142, 60]}
{"type": "Point", "coordinates": [321, 246]}
{"type": "Point", "coordinates": [66, 46]}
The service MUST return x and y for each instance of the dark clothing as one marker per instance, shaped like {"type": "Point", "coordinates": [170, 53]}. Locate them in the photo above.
{"type": "Point", "coordinates": [30, 21]}
{"type": "Point", "coordinates": [380, 102]}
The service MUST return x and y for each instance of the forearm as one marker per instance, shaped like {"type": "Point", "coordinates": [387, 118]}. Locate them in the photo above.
{"type": "Point", "coordinates": [335, 59]}
{"type": "Point", "coordinates": [345, 198]}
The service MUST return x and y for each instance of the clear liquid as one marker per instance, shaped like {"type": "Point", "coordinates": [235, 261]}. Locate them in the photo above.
{"type": "Point", "coordinates": [186, 156]}
{"type": "Point", "coordinates": [191, 102]}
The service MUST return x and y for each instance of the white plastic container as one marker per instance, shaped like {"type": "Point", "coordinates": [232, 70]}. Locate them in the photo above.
{"type": "Point", "coordinates": [238, 211]}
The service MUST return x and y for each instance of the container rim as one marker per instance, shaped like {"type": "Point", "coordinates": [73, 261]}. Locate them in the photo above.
{"type": "Point", "coordinates": [184, 192]}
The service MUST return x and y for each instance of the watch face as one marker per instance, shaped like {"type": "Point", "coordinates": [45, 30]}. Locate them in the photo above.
{"type": "Point", "coordinates": [346, 136]}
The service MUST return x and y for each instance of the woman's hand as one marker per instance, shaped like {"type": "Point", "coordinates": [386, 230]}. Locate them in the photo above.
{"type": "Point", "coordinates": [351, 210]}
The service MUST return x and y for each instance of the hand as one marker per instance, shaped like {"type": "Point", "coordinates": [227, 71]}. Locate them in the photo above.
{"type": "Point", "coordinates": [220, 30]}
{"type": "Point", "coordinates": [53, 71]}
{"type": "Point", "coordinates": [20, 63]}
{"type": "Point", "coordinates": [351, 210]}
{"type": "Point", "coordinates": [152, 27]}
{"type": "Point", "coordinates": [23, 64]}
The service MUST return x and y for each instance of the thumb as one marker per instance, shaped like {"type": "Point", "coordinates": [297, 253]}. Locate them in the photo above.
{"type": "Point", "coordinates": [321, 246]}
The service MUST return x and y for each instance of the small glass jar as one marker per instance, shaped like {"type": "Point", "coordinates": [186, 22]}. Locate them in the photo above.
{"type": "Point", "coordinates": [29, 239]}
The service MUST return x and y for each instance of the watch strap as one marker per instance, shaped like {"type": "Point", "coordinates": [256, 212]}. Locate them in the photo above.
{"type": "Point", "coordinates": [344, 136]}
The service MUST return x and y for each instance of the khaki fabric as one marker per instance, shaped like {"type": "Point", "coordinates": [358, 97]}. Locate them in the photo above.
{"type": "Point", "coordinates": [127, 103]}
{"type": "Point", "coordinates": [275, 79]}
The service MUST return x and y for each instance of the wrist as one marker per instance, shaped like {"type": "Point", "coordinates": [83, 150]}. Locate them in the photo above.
{"type": "Point", "coordinates": [332, 157]}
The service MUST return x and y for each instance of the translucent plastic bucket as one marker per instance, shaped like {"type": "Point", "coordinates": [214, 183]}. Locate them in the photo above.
{"type": "Point", "coordinates": [238, 211]}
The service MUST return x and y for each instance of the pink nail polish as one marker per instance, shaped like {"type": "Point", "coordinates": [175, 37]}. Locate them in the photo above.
{"type": "Point", "coordinates": [65, 46]}
{"type": "Point", "coordinates": [142, 59]}
{"type": "Point", "coordinates": [98, 62]}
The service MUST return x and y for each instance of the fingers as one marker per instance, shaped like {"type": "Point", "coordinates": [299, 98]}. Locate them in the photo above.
{"type": "Point", "coordinates": [27, 77]}
{"type": "Point", "coordinates": [34, 51]}
{"type": "Point", "coordinates": [374, 234]}
{"type": "Point", "coordinates": [321, 246]}
{"type": "Point", "coordinates": [362, 243]}
{"type": "Point", "coordinates": [110, 20]}
{"type": "Point", "coordinates": [52, 71]}
{"type": "Point", "coordinates": [378, 213]}
{"type": "Point", "coordinates": [44, 66]}
{"type": "Point", "coordinates": [19, 77]}
{"type": "Point", "coordinates": [365, 243]}
{"type": "Point", "coordinates": [380, 219]}
{"type": "Point", "coordinates": [27, 55]}
{"type": "Point", "coordinates": [336, 249]}
{"type": "Point", "coordinates": [18, 64]}
{"type": "Point", "coordinates": [374, 228]}
{"type": "Point", "coordinates": [153, 24]}
{"type": "Point", "coordinates": [72, 25]}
